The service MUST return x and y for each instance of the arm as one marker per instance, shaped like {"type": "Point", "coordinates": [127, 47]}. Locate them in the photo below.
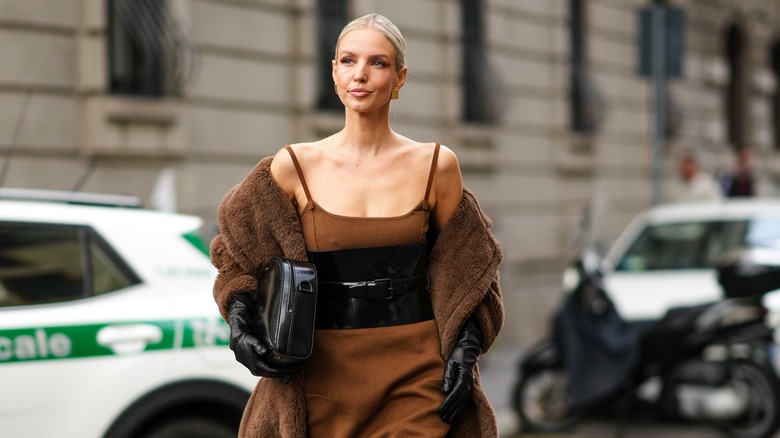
{"type": "Point", "coordinates": [467, 299]}
{"type": "Point", "coordinates": [253, 220]}
{"type": "Point", "coordinates": [458, 381]}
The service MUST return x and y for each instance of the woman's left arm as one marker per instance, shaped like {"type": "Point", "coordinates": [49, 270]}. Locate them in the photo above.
{"type": "Point", "coordinates": [447, 188]}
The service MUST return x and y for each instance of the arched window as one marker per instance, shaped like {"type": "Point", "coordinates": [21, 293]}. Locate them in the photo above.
{"type": "Point", "coordinates": [737, 110]}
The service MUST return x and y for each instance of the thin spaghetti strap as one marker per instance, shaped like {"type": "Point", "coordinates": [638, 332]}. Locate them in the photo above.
{"type": "Point", "coordinates": [309, 204]}
{"type": "Point", "coordinates": [430, 176]}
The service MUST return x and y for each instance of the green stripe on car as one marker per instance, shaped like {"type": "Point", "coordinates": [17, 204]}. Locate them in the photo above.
{"type": "Point", "coordinates": [109, 339]}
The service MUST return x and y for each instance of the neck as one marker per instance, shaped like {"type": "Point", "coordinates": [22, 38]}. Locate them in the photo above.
{"type": "Point", "coordinates": [367, 131]}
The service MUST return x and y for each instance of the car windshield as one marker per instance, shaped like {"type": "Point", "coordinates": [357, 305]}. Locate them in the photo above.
{"type": "Point", "coordinates": [696, 245]}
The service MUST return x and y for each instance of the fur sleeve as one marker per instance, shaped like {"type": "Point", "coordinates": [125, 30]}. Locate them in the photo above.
{"type": "Point", "coordinates": [464, 273]}
{"type": "Point", "coordinates": [256, 222]}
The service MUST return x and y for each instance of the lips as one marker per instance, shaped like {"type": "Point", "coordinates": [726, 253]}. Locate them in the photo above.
{"type": "Point", "coordinates": [359, 92]}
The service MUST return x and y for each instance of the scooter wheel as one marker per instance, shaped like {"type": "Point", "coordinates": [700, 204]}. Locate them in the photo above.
{"type": "Point", "coordinates": [759, 386]}
{"type": "Point", "coordinates": [541, 402]}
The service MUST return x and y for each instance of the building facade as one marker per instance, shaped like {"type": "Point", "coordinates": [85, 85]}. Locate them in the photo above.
{"type": "Point", "coordinates": [540, 100]}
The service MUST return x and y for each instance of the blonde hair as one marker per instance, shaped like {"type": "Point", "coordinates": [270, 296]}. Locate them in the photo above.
{"type": "Point", "coordinates": [386, 27]}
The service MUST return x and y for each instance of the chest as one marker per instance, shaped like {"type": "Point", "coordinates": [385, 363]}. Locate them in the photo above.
{"type": "Point", "coordinates": [365, 191]}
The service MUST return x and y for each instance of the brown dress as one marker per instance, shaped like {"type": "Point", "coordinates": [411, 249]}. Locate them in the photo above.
{"type": "Point", "coordinates": [372, 382]}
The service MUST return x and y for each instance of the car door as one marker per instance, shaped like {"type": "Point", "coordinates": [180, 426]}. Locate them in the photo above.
{"type": "Point", "coordinates": [69, 332]}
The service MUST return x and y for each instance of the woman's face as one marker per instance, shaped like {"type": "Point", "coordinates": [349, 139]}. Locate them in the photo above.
{"type": "Point", "coordinates": [364, 70]}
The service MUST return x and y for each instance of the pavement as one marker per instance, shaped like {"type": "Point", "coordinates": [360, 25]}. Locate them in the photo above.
{"type": "Point", "coordinates": [498, 373]}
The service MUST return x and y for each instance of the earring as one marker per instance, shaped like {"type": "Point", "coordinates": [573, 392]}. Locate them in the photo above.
{"type": "Point", "coordinates": [336, 88]}
{"type": "Point", "coordinates": [394, 94]}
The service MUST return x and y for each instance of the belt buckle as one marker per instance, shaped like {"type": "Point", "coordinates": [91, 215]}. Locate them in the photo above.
{"type": "Point", "coordinates": [388, 282]}
{"type": "Point", "coordinates": [361, 289]}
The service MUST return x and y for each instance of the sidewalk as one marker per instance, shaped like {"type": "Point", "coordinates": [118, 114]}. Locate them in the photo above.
{"type": "Point", "coordinates": [498, 371]}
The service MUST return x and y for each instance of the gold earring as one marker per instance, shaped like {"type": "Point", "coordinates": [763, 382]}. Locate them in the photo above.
{"type": "Point", "coordinates": [336, 88]}
{"type": "Point", "coordinates": [394, 94]}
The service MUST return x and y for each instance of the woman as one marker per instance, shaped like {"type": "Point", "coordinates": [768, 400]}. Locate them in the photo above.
{"type": "Point", "coordinates": [397, 355]}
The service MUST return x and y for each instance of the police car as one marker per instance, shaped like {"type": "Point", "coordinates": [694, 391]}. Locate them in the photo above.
{"type": "Point", "coordinates": [107, 323]}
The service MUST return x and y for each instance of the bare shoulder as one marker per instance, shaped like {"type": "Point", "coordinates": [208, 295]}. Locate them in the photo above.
{"type": "Point", "coordinates": [447, 187]}
{"type": "Point", "coordinates": [448, 161]}
{"type": "Point", "coordinates": [448, 180]}
{"type": "Point", "coordinates": [284, 173]}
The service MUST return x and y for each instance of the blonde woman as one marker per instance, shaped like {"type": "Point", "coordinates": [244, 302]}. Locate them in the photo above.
{"type": "Point", "coordinates": [407, 266]}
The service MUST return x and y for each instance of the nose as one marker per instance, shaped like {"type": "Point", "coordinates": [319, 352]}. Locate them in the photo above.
{"type": "Point", "coordinates": [361, 74]}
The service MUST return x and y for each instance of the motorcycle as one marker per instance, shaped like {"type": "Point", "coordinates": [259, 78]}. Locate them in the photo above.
{"type": "Point", "coordinates": [711, 363]}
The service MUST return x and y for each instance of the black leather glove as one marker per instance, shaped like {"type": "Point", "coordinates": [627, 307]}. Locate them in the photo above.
{"type": "Point", "coordinates": [248, 340]}
{"type": "Point", "coordinates": [459, 370]}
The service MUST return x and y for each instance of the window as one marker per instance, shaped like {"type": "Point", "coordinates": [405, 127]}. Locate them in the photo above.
{"type": "Point", "coordinates": [149, 52]}
{"type": "Point", "coordinates": [483, 89]}
{"type": "Point", "coordinates": [736, 97]}
{"type": "Point", "coordinates": [49, 263]}
{"type": "Point", "coordinates": [587, 104]}
{"type": "Point", "coordinates": [774, 65]}
{"type": "Point", "coordinates": [696, 245]}
{"type": "Point", "coordinates": [331, 18]}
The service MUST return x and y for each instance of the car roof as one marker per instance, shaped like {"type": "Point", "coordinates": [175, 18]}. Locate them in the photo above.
{"type": "Point", "coordinates": [729, 209]}
{"type": "Point", "coordinates": [98, 211]}
{"type": "Point", "coordinates": [711, 211]}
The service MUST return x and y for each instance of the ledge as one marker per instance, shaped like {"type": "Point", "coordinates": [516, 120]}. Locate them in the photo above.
{"type": "Point", "coordinates": [133, 127]}
{"type": "Point", "coordinates": [575, 154]}
{"type": "Point", "coordinates": [476, 148]}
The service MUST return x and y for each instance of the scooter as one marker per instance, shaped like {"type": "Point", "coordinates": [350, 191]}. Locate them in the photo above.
{"type": "Point", "coordinates": [710, 363]}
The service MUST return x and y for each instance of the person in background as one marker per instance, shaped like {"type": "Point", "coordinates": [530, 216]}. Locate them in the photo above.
{"type": "Point", "coordinates": [693, 184]}
{"type": "Point", "coordinates": [740, 183]}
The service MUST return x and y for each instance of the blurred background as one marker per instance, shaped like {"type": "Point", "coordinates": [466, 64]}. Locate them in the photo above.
{"type": "Point", "coordinates": [547, 103]}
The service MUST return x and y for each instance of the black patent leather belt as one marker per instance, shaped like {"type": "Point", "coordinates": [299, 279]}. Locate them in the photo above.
{"type": "Point", "coordinates": [379, 289]}
{"type": "Point", "coordinates": [372, 287]}
{"type": "Point", "coordinates": [352, 313]}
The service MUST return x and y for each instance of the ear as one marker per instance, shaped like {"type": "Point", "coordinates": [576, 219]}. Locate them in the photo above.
{"type": "Point", "coordinates": [401, 79]}
{"type": "Point", "coordinates": [333, 70]}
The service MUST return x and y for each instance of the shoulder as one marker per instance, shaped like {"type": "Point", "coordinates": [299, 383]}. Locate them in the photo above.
{"type": "Point", "coordinates": [447, 187]}
{"type": "Point", "coordinates": [447, 162]}
{"type": "Point", "coordinates": [283, 166]}
{"type": "Point", "coordinates": [283, 170]}
{"type": "Point", "coordinates": [448, 170]}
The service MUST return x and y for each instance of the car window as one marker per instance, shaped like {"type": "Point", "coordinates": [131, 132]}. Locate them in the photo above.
{"type": "Point", "coordinates": [688, 245]}
{"type": "Point", "coordinates": [49, 263]}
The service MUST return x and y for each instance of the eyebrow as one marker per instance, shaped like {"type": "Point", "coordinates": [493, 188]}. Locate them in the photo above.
{"type": "Point", "coordinates": [348, 53]}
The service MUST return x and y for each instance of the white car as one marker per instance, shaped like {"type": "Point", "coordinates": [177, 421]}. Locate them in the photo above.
{"type": "Point", "coordinates": [665, 257]}
{"type": "Point", "coordinates": [108, 327]}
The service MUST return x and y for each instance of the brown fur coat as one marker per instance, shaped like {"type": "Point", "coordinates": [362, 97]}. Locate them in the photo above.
{"type": "Point", "coordinates": [257, 221]}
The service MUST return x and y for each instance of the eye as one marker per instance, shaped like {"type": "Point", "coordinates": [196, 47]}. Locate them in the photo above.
{"type": "Point", "coordinates": [378, 64]}
{"type": "Point", "coordinates": [347, 61]}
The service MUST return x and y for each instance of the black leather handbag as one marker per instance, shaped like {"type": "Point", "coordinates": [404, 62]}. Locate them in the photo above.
{"type": "Point", "coordinates": [290, 290]}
